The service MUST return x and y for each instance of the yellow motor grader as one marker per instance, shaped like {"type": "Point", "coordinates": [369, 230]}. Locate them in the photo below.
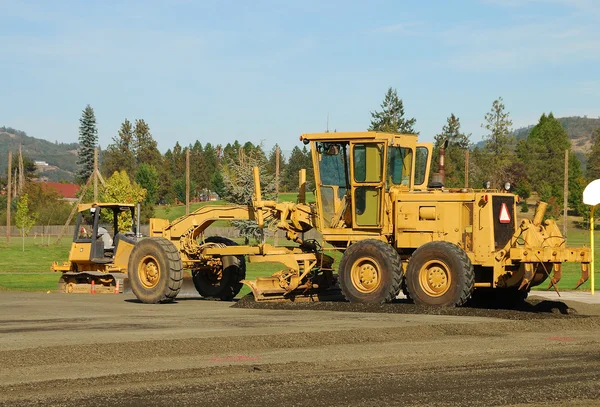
{"type": "Point", "coordinates": [374, 204]}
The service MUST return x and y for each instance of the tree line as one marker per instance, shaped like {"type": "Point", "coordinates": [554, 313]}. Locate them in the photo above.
{"type": "Point", "coordinates": [135, 170]}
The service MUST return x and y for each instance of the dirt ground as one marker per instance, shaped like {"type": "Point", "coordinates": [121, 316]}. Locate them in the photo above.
{"type": "Point", "coordinates": [92, 350]}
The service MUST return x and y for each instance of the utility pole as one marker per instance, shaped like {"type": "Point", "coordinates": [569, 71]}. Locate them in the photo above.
{"type": "Point", "coordinates": [21, 180]}
{"type": "Point", "coordinates": [187, 181]}
{"type": "Point", "coordinates": [467, 168]}
{"type": "Point", "coordinates": [95, 175]}
{"type": "Point", "coordinates": [277, 173]}
{"type": "Point", "coordinates": [8, 197]}
{"type": "Point", "coordinates": [275, 240]}
{"type": "Point", "coordinates": [566, 193]}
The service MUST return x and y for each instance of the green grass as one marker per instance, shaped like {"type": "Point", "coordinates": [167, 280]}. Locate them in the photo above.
{"type": "Point", "coordinates": [36, 258]}
{"type": "Point", "coordinates": [33, 282]}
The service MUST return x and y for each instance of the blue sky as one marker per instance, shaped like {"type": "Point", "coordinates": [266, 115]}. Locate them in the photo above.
{"type": "Point", "coordinates": [217, 71]}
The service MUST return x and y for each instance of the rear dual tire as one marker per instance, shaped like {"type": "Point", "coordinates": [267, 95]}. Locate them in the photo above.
{"type": "Point", "coordinates": [440, 274]}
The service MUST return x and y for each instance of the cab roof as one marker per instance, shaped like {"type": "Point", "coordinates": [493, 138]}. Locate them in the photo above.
{"type": "Point", "coordinates": [361, 135]}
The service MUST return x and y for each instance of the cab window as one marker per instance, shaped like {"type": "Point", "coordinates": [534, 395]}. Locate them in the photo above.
{"type": "Point", "coordinates": [421, 165]}
{"type": "Point", "coordinates": [399, 166]}
{"type": "Point", "coordinates": [368, 162]}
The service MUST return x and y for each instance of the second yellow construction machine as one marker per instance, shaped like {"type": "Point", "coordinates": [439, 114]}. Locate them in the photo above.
{"type": "Point", "coordinates": [374, 204]}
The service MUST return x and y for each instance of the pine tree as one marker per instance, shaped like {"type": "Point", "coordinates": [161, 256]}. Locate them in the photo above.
{"type": "Point", "coordinates": [497, 154]}
{"type": "Point", "coordinates": [120, 155]}
{"type": "Point", "coordinates": [210, 159]}
{"type": "Point", "coordinates": [593, 163]}
{"type": "Point", "coordinates": [543, 155]}
{"type": "Point", "coordinates": [458, 143]}
{"type": "Point", "coordinates": [198, 169]}
{"type": "Point", "coordinates": [391, 117]}
{"type": "Point", "coordinates": [88, 141]}
{"type": "Point", "coordinates": [296, 162]}
{"type": "Point", "coordinates": [145, 147]}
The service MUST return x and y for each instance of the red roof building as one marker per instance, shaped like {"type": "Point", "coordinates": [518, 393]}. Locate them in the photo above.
{"type": "Point", "coordinates": [68, 191]}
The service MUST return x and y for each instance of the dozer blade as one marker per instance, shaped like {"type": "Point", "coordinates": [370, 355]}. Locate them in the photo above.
{"type": "Point", "coordinates": [267, 289]}
{"type": "Point", "coordinates": [126, 286]}
{"type": "Point", "coordinates": [585, 274]}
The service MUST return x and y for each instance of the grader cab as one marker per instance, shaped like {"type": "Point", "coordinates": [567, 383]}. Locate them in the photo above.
{"type": "Point", "coordinates": [373, 203]}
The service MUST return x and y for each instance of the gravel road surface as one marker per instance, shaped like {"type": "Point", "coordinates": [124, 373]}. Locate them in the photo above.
{"type": "Point", "coordinates": [110, 350]}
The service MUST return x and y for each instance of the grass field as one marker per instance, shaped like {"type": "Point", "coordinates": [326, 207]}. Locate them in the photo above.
{"type": "Point", "coordinates": [29, 270]}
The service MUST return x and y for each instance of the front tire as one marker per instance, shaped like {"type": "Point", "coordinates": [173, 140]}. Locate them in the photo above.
{"type": "Point", "coordinates": [370, 272]}
{"type": "Point", "coordinates": [155, 270]}
{"type": "Point", "coordinates": [440, 274]}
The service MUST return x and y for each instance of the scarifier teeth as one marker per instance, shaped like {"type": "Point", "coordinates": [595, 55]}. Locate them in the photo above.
{"type": "Point", "coordinates": [585, 275]}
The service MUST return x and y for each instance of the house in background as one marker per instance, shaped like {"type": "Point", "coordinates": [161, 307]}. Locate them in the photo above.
{"type": "Point", "coordinates": [68, 191]}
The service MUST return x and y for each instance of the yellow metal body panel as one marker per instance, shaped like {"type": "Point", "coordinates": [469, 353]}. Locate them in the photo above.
{"type": "Point", "coordinates": [80, 252]}
{"type": "Point", "coordinates": [121, 258]}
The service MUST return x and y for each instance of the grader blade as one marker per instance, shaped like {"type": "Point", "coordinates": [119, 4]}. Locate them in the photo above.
{"type": "Point", "coordinates": [585, 275]}
{"type": "Point", "coordinates": [268, 289]}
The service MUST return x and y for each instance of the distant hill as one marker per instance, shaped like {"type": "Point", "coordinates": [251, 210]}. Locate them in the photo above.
{"type": "Point", "coordinates": [60, 155]}
{"type": "Point", "coordinates": [579, 129]}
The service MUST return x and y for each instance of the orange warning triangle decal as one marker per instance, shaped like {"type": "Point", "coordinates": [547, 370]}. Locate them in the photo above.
{"type": "Point", "coordinates": [504, 215]}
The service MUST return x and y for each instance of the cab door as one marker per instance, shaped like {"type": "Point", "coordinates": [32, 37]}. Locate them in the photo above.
{"type": "Point", "coordinates": [367, 182]}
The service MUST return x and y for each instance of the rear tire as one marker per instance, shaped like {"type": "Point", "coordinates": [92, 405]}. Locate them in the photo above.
{"type": "Point", "coordinates": [370, 272]}
{"type": "Point", "coordinates": [229, 285]}
{"type": "Point", "coordinates": [155, 270]}
{"type": "Point", "coordinates": [440, 274]}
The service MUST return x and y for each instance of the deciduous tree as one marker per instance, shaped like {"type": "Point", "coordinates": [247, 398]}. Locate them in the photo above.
{"type": "Point", "coordinates": [119, 188]}
{"type": "Point", "coordinates": [24, 218]}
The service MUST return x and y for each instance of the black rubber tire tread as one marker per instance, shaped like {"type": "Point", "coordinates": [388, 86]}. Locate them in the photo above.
{"type": "Point", "coordinates": [233, 286]}
{"type": "Point", "coordinates": [391, 267]}
{"type": "Point", "coordinates": [461, 269]}
{"type": "Point", "coordinates": [169, 259]}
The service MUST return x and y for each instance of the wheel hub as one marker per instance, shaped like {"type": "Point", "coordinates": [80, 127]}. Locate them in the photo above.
{"type": "Point", "coordinates": [365, 275]}
{"type": "Point", "coordinates": [149, 272]}
{"type": "Point", "coordinates": [435, 278]}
